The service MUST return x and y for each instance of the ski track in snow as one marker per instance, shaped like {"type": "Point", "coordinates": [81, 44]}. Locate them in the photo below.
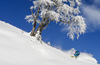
{"type": "Point", "coordinates": [18, 48]}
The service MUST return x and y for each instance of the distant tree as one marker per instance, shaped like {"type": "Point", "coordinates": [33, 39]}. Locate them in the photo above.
{"type": "Point", "coordinates": [63, 11]}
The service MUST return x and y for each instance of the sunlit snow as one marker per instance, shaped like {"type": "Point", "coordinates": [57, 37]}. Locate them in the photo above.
{"type": "Point", "coordinates": [17, 47]}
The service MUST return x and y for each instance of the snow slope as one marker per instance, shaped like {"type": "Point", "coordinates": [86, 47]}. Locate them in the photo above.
{"type": "Point", "coordinates": [18, 48]}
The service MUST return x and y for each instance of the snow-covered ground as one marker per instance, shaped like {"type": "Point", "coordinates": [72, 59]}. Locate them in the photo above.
{"type": "Point", "coordinates": [18, 48]}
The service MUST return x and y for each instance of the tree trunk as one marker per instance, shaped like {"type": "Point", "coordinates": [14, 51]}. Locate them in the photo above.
{"type": "Point", "coordinates": [39, 29]}
{"type": "Point", "coordinates": [33, 32]}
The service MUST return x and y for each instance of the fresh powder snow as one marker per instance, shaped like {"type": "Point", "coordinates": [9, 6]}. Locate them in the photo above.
{"type": "Point", "coordinates": [17, 47]}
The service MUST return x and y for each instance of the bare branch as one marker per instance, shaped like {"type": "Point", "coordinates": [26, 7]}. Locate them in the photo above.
{"type": "Point", "coordinates": [46, 24]}
{"type": "Point", "coordinates": [48, 6]}
{"type": "Point", "coordinates": [45, 27]}
{"type": "Point", "coordinates": [52, 7]}
{"type": "Point", "coordinates": [33, 15]}
{"type": "Point", "coordinates": [38, 11]}
{"type": "Point", "coordinates": [67, 21]}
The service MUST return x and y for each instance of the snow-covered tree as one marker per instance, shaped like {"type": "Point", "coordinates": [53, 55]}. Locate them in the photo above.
{"type": "Point", "coordinates": [63, 11]}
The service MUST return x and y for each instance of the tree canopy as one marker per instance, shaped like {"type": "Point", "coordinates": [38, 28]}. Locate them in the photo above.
{"type": "Point", "coordinates": [64, 11]}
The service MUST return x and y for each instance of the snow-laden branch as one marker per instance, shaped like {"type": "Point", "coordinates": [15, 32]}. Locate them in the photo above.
{"type": "Point", "coordinates": [77, 27]}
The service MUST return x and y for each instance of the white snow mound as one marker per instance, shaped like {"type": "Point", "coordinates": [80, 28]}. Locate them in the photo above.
{"type": "Point", "coordinates": [18, 48]}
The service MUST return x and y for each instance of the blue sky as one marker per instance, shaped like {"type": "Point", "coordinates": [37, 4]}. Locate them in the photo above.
{"type": "Point", "coordinates": [14, 12]}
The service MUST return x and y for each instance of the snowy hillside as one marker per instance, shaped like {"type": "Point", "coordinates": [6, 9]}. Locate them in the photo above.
{"type": "Point", "coordinates": [18, 48]}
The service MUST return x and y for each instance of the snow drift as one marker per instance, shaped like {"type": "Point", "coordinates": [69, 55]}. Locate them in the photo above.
{"type": "Point", "coordinates": [18, 48]}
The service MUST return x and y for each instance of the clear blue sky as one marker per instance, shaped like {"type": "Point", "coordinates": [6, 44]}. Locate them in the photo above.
{"type": "Point", "coordinates": [14, 12]}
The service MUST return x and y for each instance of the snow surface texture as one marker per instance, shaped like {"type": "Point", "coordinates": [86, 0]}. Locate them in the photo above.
{"type": "Point", "coordinates": [18, 48]}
